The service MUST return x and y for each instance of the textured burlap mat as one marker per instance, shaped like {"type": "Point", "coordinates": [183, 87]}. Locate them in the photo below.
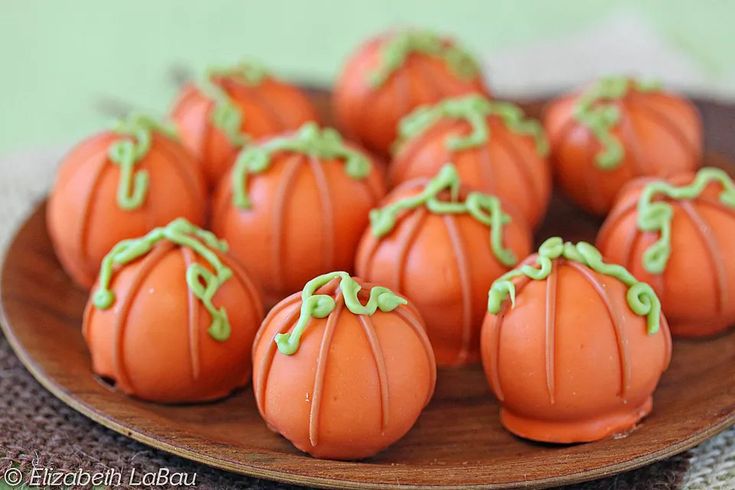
{"type": "Point", "coordinates": [37, 429]}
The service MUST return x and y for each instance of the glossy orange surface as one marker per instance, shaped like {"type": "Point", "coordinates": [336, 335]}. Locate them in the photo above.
{"type": "Point", "coordinates": [84, 217]}
{"type": "Point", "coordinates": [306, 218]}
{"type": "Point", "coordinates": [356, 384]}
{"type": "Point", "coordinates": [571, 362]}
{"type": "Point", "coordinates": [370, 115]}
{"type": "Point", "coordinates": [267, 108]}
{"type": "Point", "coordinates": [661, 135]}
{"type": "Point", "coordinates": [153, 342]}
{"type": "Point", "coordinates": [506, 165]}
{"type": "Point", "coordinates": [696, 287]}
{"type": "Point", "coordinates": [444, 264]}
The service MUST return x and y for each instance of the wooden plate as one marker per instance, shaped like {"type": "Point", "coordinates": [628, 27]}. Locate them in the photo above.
{"type": "Point", "coordinates": [457, 442]}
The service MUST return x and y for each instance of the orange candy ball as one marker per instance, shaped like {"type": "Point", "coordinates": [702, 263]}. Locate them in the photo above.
{"type": "Point", "coordinates": [694, 282]}
{"type": "Point", "coordinates": [495, 148]}
{"type": "Point", "coordinates": [570, 361]}
{"type": "Point", "coordinates": [291, 211]}
{"type": "Point", "coordinates": [391, 75]}
{"type": "Point", "coordinates": [94, 204]}
{"type": "Point", "coordinates": [443, 262]}
{"type": "Point", "coordinates": [155, 337]}
{"type": "Point", "coordinates": [615, 131]}
{"type": "Point", "coordinates": [354, 383]}
{"type": "Point", "coordinates": [216, 117]}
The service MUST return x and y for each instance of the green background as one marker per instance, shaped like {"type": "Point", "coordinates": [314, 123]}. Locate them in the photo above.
{"type": "Point", "coordinates": [62, 61]}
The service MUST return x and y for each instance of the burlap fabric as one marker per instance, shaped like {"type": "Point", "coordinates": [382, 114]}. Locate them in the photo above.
{"type": "Point", "coordinates": [37, 429]}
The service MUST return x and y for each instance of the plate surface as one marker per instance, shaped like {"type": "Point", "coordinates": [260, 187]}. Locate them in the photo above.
{"type": "Point", "coordinates": [457, 442]}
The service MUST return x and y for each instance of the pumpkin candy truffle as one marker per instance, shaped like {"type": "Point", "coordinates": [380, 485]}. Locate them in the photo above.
{"type": "Point", "coordinates": [676, 235]}
{"type": "Point", "coordinates": [295, 206]}
{"type": "Point", "coordinates": [573, 347]}
{"type": "Point", "coordinates": [342, 369]}
{"type": "Point", "coordinates": [495, 147]}
{"type": "Point", "coordinates": [231, 105]}
{"type": "Point", "coordinates": [172, 317]}
{"type": "Point", "coordinates": [120, 184]}
{"type": "Point", "coordinates": [394, 73]}
{"type": "Point", "coordinates": [618, 129]}
{"type": "Point", "coordinates": [442, 246]}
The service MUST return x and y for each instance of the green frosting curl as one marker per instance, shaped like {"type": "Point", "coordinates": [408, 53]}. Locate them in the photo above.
{"type": "Point", "coordinates": [484, 208]}
{"type": "Point", "coordinates": [227, 116]}
{"type": "Point", "coordinates": [474, 109]}
{"type": "Point", "coordinates": [321, 305]}
{"type": "Point", "coordinates": [641, 298]}
{"type": "Point", "coordinates": [594, 111]}
{"type": "Point", "coordinates": [395, 51]}
{"type": "Point", "coordinates": [656, 216]}
{"type": "Point", "coordinates": [308, 140]}
{"type": "Point", "coordinates": [126, 153]}
{"type": "Point", "coordinates": [201, 281]}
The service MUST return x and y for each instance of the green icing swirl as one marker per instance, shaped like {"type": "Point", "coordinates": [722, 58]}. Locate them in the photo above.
{"type": "Point", "coordinates": [595, 111]}
{"type": "Point", "coordinates": [484, 208]}
{"type": "Point", "coordinates": [200, 280]}
{"type": "Point", "coordinates": [474, 109]}
{"type": "Point", "coordinates": [656, 216]}
{"type": "Point", "coordinates": [227, 116]}
{"type": "Point", "coordinates": [641, 298]}
{"type": "Point", "coordinates": [308, 140]}
{"type": "Point", "coordinates": [126, 153]}
{"type": "Point", "coordinates": [395, 51]}
{"type": "Point", "coordinates": [321, 305]}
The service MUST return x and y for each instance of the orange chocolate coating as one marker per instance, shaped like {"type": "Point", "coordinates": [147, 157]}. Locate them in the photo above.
{"type": "Point", "coordinates": [83, 214]}
{"type": "Point", "coordinates": [661, 135]}
{"type": "Point", "coordinates": [571, 362]}
{"type": "Point", "coordinates": [357, 383]}
{"type": "Point", "coordinates": [506, 165]}
{"type": "Point", "coordinates": [370, 114]}
{"type": "Point", "coordinates": [269, 107]}
{"type": "Point", "coordinates": [444, 264]}
{"type": "Point", "coordinates": [696, 285]}
{"type": "Point", "coordinates": [153, 342]}
{"type": "Point", "coordinates": [306, 218]}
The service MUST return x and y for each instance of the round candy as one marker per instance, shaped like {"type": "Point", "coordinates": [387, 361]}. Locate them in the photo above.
{"type": "Point", "coordinates": [616, 130]}
{"type": "Point", "coordinates": [573, 347]}
{"type": "Point", "coordinates": [119, 184]}
{"type": "Point", "coordinates": [442, 246]}
{"type": "Point", "coordinates": [394, 73]}
{"type": "Point", "coordinates": [342, 369]}
{"type": "Point", "coordinates": [677, 235]}
{"type": "Point", "coordinates": [495, 148]}
{"type": "Point", "coordinates": [232, 105]}
{"type": "Point", "coordinates": [295, 206]}
{"type": "Point", "coordinates": [172, 317]}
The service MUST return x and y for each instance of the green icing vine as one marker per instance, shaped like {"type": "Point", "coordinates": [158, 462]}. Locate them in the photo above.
{"type": "Point", "coordinates": [321, 305]}
{"type": "Point", "coordinates": [595, 111]}
{"type": "Point", "coordinates": [308, 140]}
{"type": "Point", "coordinates": [656, 216]}
{"type": "Point", "coordinates": [200, 280]}
{"type": "Point", "coordinates": [126, 153]}
{"type": "Point", "coordinates": [395, 51]}
{"type": "Point", "coordinates": [484, 208]}
{"type": "Point", "coordinates": [474, 109]}
{"type": "Point", "coordinates": [227, 116]}
{"type": "Point", "coordinates": [640, 296]}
